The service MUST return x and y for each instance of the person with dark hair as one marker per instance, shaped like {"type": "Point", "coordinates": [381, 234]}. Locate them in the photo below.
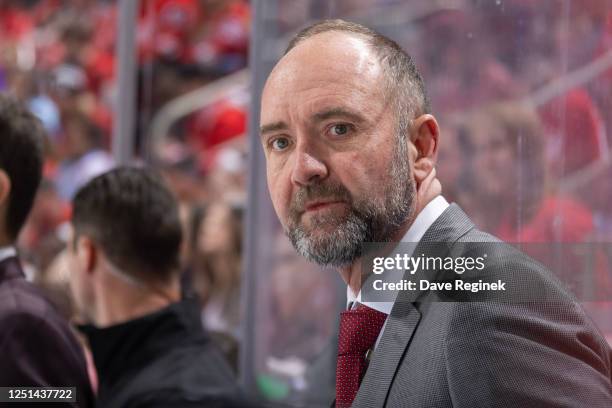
{"type": "Point", "coordinates": [149, 347]}
{"type": "Point", "coordinates": [37, 346]}
{"type": "Point", "coordinates": [350, 148]}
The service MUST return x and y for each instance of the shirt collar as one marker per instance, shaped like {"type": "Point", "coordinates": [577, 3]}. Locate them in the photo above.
{"type": "Point", "coordinates": [421, 224]}
{"type": "Point", "coordinates": [7, 252]}
{"type": "Point", "coordinates": [425, 219]}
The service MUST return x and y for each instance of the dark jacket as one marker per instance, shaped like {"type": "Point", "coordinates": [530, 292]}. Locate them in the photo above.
{"type": "Point", "coordinates": [164, 359]}
{"type": "Point", "coordinates": [37, 347]}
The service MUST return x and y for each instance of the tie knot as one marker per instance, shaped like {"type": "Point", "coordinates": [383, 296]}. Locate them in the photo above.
{"type": "Point", "coordinates": [359, 329]}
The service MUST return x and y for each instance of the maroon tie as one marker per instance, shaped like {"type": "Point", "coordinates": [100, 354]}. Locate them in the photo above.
{"type": "Point", "coordinates": [359, 329]}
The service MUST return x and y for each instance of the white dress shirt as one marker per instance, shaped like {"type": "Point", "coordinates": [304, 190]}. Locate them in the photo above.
{"type": "Point", "coordinates": [421, 224]}
{"type": "Point", "coordinates": [7, 252]}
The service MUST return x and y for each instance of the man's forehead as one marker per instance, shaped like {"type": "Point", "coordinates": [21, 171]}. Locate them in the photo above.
{"type": "Point", "coordinates": [320, 70]}
{"type": "Point", "coordinates": [330, 53]}
{"type": "Point", "coordinates": [341, 43]}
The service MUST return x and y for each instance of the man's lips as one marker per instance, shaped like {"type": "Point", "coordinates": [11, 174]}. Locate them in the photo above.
{"type": "Point", "coordinates": [319, 205]}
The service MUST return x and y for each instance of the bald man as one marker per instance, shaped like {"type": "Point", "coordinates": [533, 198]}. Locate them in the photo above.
{"type": "Point", "coordinates": [350, 148]}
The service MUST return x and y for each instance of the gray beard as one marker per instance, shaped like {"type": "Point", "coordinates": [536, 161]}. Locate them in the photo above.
{"type": "Point", "coordinates": [368, 220]}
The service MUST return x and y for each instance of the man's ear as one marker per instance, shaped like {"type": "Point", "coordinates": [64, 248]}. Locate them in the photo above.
{"type": "Point", "coordinates": [87, 253]}
{"type": "Point", "coordinates": [5, 187]}
{"type": "Point", "coordinates": [424, 138]}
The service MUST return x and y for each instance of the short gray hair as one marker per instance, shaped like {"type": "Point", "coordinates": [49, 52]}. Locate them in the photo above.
{"type": "Point", "coordinates": [404, 82]}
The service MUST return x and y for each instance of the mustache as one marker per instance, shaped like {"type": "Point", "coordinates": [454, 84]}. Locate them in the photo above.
{"type": "Point", "coordinates": [328, 191]}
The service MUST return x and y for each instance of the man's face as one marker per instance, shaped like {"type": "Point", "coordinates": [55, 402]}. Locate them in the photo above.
{"type": "Point", "coordinates": [80, 283]}
{"type": "Point", "coordinates": [337, 172]}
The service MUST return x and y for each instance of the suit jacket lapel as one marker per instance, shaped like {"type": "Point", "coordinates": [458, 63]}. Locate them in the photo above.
{"type": "Point", "coordinates": [404, 318]}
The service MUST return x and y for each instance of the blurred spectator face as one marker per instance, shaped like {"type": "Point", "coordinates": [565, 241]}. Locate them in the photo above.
{"type": "Point", "coordinates": [493, 160]}
{"type": "Point", "coordinates": [216, 234]}
{"type": "Point", "coordinates": [77, 141]}
{"type": "Point", "coordinates": [508, 164]}
{"type": "Point", "coordinates": [75, 37]}
{"type": "Point", "coordinates": [80, 135]}
{"type": "Point", "coordinates": [20, 85]}
{"type": "Point", "coordinates": [48, 213]}
{"type": "Point", "coordinates": [329, 136]}
{"type": "Point", "coordinates": [218, 251]}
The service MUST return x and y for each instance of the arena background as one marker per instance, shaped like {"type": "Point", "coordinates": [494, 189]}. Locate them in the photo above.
{"type": "Point", "coordinates": [173, 84]}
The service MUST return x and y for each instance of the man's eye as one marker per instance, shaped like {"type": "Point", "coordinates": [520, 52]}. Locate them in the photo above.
{"type": "Point", "coordinates": [339, 130]}
{"type": "Point", "coordinates": [280, 143]}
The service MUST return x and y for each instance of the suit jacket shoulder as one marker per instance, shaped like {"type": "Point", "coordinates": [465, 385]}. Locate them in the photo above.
{"type": "Point", "coordinates": [441, 353]}
{"type": "Point", "coordinates": [37, 346]}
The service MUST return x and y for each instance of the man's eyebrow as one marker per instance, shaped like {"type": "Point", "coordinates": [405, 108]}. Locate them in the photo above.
{"type": "Point", "coordinates": [317, 117]}
{"type": "Point", "coordinates": [337, 112]}
{"type": "Point", "coordinates": [272, 127]}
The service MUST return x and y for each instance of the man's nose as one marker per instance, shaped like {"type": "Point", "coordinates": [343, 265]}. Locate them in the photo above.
{"type": "Point", "coordinates": [308, 168]}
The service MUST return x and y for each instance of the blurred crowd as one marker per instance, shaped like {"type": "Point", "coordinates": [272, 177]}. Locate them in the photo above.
{"type": "Point", "coordinates": [527, 53]}
{"type": "Point", "coordinates": [509, 82]}
{"type": "Point", "coordinates": [59, 57]}
{"type": "Point", "coordinates": [526, 126]}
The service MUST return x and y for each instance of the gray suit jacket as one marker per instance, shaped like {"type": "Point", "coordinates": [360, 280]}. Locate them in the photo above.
{"type": "Point", "coordinates": [488, 354]}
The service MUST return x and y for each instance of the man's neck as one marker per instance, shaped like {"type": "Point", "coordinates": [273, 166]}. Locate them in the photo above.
{"type": "Point", "coordinates": [122, 303]}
